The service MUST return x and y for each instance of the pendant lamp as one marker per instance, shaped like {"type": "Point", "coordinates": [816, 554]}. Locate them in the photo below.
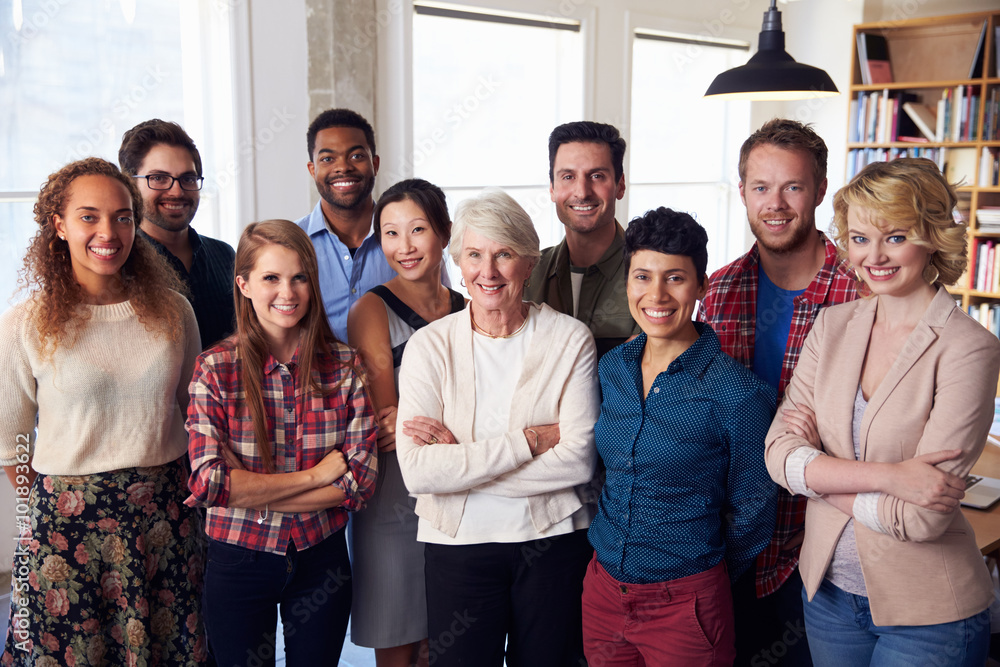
{"type": "Point", "coordinates": [772, 74]}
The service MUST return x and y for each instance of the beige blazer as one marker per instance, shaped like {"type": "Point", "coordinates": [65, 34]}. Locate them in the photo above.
{"type": "Point", "coordinates": [937, 395]}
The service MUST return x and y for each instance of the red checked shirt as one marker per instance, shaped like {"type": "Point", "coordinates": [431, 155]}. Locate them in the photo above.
{"type": "Point", "coordinates": [304, 428]}
{"type": "Point", "coordinates": [730, 306]}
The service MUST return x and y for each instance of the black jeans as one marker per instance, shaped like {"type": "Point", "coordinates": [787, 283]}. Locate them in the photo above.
{"type": "Point", "coordinates": [523, 594]}
{"type": "Point", "coordinates": [245, 588]}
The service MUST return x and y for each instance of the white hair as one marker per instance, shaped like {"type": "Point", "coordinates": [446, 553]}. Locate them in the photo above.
{"type": "Point", "coordinates": [495, 215]}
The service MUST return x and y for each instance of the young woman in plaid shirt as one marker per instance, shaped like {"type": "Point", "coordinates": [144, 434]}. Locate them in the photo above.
{"type": "Point", "coordinates": [282, 446]}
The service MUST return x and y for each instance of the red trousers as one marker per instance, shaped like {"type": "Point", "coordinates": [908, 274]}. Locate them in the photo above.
{"type": "Point", "coordinates": [684, 622]}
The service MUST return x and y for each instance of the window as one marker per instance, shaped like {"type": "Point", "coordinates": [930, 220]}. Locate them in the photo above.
{"type": "Point", "coordinates": [74, 76]}
{"type": "Point", "coordinates": [483, 119]}
{"type": "Point", "coordinates": [689, 149]}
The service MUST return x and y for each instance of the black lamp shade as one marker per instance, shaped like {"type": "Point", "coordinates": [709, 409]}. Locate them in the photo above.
{"type": "Point", "coordinates": [772, 74]}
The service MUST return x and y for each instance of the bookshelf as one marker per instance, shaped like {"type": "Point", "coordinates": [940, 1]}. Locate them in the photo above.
{"type": "Point", "coordinates": [931, 61]}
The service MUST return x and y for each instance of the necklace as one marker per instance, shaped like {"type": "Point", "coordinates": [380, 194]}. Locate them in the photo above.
{"type": "Point", "coordinates": [494, 337]}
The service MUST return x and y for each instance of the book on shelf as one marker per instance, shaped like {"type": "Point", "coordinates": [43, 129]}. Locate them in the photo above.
{"type": "Point", "coordinates": [991, 116]}
{"type": "Point", "coordinates": [960, 167]}
{"type": "Point", "coordinates": [989, 167]}
{"type": "Point", "coordinates": [923, 118]}
{"type": "Point", "coordinates": [976, 70]}
{"type": "Point", "coordinates": [873, 57]}
{"type": "Point", "coordinates": [987, 314]}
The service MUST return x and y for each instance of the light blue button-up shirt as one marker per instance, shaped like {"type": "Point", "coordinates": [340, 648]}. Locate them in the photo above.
{"type": "Point", "coordinates": [342, 278]}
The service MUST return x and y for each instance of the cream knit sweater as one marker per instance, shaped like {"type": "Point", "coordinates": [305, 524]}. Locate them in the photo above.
{"type": "Point", "coordinates": [115, 399]}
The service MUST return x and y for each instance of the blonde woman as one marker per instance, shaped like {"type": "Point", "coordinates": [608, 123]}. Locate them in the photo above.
{"type": "Point", "coordinates": [887, 411]}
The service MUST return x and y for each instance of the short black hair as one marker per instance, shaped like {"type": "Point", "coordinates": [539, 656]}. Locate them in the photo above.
{"type": "Point", "coordinates": [339, 118]}
{"type": "Point", "coordinates": [137, 142]}
{"type": "Point", "coordinates": [591, 132]}
{"type": "Point", "coordinates": [429, 197]}
{"type": "Point", "coordinates": [670, 232]}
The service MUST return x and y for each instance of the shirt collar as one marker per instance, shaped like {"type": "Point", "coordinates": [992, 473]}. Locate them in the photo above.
{"type": "Point", "coordinates": [271, 363]}
{"type": "Point", "coordinates": [317, 224]}
{"type": "Point", "coordinates": [694, 360]}
{"type": "Point", "coordinates": [609, 262]}
{"type": "Point", "coordinates": [193, 238]}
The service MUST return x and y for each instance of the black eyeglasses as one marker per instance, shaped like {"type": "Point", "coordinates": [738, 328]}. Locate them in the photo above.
{"type": "Point", "coordinates": [166, 181]}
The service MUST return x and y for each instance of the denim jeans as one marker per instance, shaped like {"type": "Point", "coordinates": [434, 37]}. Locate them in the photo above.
{"type": "Point", "coordinates": [244, 590]}
{"type": "Point", "coordinates": [841, 634]}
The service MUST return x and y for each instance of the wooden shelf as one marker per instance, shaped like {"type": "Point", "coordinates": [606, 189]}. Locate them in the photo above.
{"type": "Point", "coordinates": [915, 85]}
{"type": "Point", "coordinates": [928, 55]}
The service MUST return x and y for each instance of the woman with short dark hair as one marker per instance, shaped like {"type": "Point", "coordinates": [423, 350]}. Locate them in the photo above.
{"type": "Point", "coordinates": [687, 504]}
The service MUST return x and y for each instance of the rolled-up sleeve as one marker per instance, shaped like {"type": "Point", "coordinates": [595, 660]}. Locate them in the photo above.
{"type": "Point", "coordinates": [361, 435]}
{"type": "Point", "coordinates": [208, 429]}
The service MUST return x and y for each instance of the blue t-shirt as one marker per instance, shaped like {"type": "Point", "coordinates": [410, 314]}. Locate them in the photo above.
{"type": "Point", "coordinates": [775, 307]}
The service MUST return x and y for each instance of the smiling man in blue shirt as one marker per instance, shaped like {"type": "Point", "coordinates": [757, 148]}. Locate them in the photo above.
{"type": "Point", "coordinates": [687, 497]}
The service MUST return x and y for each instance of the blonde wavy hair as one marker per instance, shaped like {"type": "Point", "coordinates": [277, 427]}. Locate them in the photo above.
{"type": "Point", "coordinates": [46, 275]}
{"type": "Point", "coordinates": [910, 194]}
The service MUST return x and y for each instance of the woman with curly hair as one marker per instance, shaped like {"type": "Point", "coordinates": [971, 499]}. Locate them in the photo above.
{"type": "Point", "coordinates": [282, 447]}
{"type": "Point", "coordinates": [107, 568]}
{"type": "Point", "coordinates": [888, 410]}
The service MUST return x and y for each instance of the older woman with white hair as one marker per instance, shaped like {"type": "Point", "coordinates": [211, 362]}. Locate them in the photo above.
{"type": "Point", "coordinates": [498, 404]}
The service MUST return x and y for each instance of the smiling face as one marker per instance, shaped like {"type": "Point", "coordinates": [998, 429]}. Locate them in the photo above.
{"type": "Point", "coordinates": [278, 287]}
{"type": "Point", "coordinates": [173, 209]}
{"type": "Point", "coordinates": [493, 273]}
{"type": "Point", "coordinates": [409, 242]}
{"type": "Point", "coordinates": [583, 186]}
{"type": "Point", "coordinates": [663, 291]}
{"type": "Point", "coordinates": [343, 167]}
{"type": "Point", "coordinates": [781, 196]}
{"type": "Point", "coordinates": [97, 224]}
{"type": "Point", "coordinates": [888, 262]}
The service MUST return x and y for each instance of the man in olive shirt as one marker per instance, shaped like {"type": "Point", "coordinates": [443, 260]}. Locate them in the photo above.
{"type": "Point", "coordinates": [584, 275]}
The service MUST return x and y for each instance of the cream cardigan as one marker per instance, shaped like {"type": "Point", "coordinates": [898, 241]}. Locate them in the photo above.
{"type": "Point", "coordinates": [558, 384]}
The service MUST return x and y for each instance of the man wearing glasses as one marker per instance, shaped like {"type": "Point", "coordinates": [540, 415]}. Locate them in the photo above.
{"type": "Point", "coordinates": [167, 167]}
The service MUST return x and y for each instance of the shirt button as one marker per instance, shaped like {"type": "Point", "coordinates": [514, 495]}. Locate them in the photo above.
{"type": "Point", "coordinates": [656, 390]}
{"type": "Point", "coordinates": [347, 258]}
{"type": "Point", "coordinates": [289, 410]}
{"type": "Point", "coordinates": [354, 290]}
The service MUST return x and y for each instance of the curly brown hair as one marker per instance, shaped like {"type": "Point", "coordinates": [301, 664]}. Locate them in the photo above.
{"type": "Point", "coordinates": [47, 271]}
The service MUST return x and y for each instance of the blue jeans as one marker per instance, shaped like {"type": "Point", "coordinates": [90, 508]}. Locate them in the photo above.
{"type": "Point", "coordinates": [841, 633]}
{"type": "Point", "coordinates": [243, 592]}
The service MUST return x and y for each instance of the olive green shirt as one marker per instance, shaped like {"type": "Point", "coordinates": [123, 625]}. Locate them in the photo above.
{"type": "Point", "coordinates": [603, 304]}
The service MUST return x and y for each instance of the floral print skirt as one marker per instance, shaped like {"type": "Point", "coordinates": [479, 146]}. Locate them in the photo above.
{"type": "Point", "coordinates": [109, 573]}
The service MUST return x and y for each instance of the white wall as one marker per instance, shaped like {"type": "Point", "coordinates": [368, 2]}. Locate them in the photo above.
{"type": "Point", "coordinates": [274, 124]}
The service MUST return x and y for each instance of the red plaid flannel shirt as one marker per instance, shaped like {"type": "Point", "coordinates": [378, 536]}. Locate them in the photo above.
{"type": "Point", "coordinates": [304, 428]}
{"type": "Point", "coordinates": [730, 307]}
